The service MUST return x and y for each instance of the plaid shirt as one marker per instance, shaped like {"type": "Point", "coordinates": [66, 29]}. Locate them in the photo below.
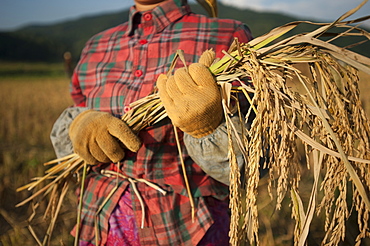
{"type": "Point", "coordinates": [119, 66]}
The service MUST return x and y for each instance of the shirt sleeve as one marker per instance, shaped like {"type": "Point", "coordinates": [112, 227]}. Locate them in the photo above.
{"type": "Point", "coordinates": [211, 152]}
{"type": "Point", "coordinates": [76, 92]}
{"type": "Point", "coordinates": [59, 134]}
{"type": "Point", "coordinates": [243, 34]}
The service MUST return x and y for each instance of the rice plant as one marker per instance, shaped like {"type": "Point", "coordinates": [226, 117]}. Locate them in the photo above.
{"type": "Point", "coordinates": [322, 110]}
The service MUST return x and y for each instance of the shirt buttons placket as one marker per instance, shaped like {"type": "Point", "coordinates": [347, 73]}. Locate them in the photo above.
{"type": "Point", "coordinates": [146, 17]}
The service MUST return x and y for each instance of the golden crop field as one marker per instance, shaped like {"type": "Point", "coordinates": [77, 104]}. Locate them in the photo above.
{"type": "Point", "coordinates": [30, 105]}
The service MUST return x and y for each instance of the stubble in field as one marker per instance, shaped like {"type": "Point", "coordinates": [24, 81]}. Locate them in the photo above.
{"type": "Point", "coordinates": [29, 107]}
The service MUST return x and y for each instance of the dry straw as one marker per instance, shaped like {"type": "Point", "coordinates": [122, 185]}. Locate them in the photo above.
{"type": "Point", "coordinates": [321, 109]}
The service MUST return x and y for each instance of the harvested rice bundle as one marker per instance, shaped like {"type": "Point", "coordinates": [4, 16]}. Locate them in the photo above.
{"type": "Point", "coordinates": [322, 110]}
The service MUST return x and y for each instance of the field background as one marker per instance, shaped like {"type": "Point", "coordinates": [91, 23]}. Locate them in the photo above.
{"type": "Point", "coordinates": [31, 102]}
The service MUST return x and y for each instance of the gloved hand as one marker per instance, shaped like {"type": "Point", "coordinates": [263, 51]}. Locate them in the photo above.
{"type": "Point", "coordinates": [100, 137]}
{"type": "Point", "coordinates": [191, 98]}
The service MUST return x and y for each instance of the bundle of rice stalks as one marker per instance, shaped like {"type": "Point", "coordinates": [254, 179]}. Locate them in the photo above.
{"type": "Point", "coordinates": [322, 110]}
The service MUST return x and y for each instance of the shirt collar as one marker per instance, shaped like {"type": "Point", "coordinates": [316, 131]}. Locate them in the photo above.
{"type": "Point", "coordinates": [162, 15]}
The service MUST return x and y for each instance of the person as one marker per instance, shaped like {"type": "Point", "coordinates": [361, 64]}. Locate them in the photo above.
{"type": "Point", "coordinates": [119, 66]}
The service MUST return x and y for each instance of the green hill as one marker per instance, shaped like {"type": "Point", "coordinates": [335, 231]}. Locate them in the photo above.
{"type": "Point", "coordinates": [49, 42]}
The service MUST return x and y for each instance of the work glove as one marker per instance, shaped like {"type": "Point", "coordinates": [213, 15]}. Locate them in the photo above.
{"type": "Point", "coordinates": [191, 97]}
{"type": "Point", "coordinates": [99, 137]}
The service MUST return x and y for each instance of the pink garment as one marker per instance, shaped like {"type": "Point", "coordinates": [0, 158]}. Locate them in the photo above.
{"type": "Point", "coordinates": [122, 225]}
{"type": "Point", "coordinates": [123, 230]}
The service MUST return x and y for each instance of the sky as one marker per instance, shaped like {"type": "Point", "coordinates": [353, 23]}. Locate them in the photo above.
{"type": "Point", "coordinates": [18, 13]}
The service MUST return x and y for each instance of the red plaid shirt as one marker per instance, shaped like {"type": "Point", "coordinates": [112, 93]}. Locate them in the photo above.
{"type": "Point", "coordinates": [119, 66]}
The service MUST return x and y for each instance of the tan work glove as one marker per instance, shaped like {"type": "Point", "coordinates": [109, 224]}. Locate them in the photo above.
{"type": "Point", "coordinates": [191, 98]}
{"type": "Point", "coordinates": [100, 137]}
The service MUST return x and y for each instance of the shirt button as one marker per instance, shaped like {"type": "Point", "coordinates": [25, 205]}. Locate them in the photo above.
{"type": "Point", "coordinates": [138, 73]}
{"type": "Point", "coordinates": [143, 41]}
{"type": "Point", "coordinates": [147, 16]}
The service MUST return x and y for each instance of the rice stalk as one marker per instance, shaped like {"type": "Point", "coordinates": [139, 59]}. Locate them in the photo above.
{"type": "Point", "coordinates": [183, 168]}
{"type": "Point", "coordinates": [235, 195]}
{"type": "Point", "coordinates": [322, 110]}
{"type": "Point", "coordinates": [304, 230]}
{"type": "Point", "coordinates": [80, 205]}
{"type": "Point", "coordinates": [50, 229]}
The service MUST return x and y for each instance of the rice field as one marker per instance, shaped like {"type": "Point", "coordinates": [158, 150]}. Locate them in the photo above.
{"type": "Point", "coordinates": [31, 104]}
